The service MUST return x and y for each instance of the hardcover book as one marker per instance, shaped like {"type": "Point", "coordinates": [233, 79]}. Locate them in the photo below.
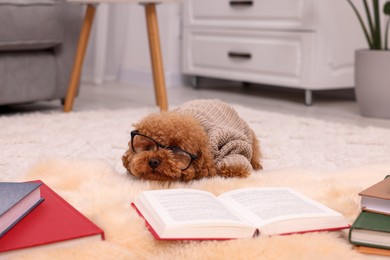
{"type": "Point", "coordinates": [373, 250]}
{"type": "Point", "coordinates": [243, 213]}
{"type": "Point", "coordinates": [17, 199]}
{"type": "Point", "coordinates": [52, 221]}
{"type": "Point", "coordinates": [377, 197]}
{"type": "Point", "coordinates": [371, 229]}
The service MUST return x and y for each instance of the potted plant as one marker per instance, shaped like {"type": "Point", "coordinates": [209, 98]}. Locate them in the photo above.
{"type": "Point", "coordinates": [372, 65]}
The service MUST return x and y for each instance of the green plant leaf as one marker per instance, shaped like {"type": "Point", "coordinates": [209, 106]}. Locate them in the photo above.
{"type": "Point", "coordinates": [386, 8]}
{"type": "Point", "coordinates": [365, 31]}
{"type": "Point", "coordinates": [387, 33]}
{"type": "Point", "coordinates": [370, 23]}
{"type": "Point", "coordinates": [386, 11]}
{"type": "Point", "coordinates": [377, 32]}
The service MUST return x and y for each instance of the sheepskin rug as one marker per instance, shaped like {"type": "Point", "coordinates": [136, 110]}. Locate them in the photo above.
{"type": "Point", "coordinates": [104, 196]}
{"type": "Point", "coordinates": [78, 155]}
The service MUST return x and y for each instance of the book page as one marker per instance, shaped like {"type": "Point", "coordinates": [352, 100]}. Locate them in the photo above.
{"type": "Point", "coordinates": [186, 205]}
{"type": "Point", "coordinates": [265, 205]}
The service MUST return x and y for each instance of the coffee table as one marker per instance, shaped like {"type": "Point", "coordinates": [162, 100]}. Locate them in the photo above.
{"type": "Point", "coordinates": [154, 48]}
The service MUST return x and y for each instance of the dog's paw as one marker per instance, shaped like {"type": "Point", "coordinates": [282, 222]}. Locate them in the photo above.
{"type": "Point", "coordinates": [233, 171]}
{"type": "Point", "coordinates": [256, 165]}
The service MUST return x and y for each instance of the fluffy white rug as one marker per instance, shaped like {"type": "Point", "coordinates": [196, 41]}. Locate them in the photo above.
{"type": "Point", "coordinates": [287, 141]}
{"type": "Point", "coordinates": [78, 155]}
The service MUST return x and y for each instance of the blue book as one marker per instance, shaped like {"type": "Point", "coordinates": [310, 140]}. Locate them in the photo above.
{"type": "Point", "coordinates": [17, 199]}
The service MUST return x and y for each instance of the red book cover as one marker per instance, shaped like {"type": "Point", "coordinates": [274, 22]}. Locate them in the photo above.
{"type": "Point", "coordinates": [256, 233]}
{"type": "Point", "coordinates": [52, 221]}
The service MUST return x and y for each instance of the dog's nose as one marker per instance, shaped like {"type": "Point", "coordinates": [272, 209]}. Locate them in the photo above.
{"type": "Point", "coordinates": [154, 163]}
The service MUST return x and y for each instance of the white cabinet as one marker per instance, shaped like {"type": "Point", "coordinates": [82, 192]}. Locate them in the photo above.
{"type": "Point", "coordinates": [305, 44]}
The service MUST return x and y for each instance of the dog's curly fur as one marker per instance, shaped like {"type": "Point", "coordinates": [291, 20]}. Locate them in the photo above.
{"type": "Point", "coordinates": [179, 130]}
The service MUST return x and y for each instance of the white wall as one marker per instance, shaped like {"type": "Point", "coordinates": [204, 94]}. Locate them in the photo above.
{"type": "Point", "coordinates": [118, 49]}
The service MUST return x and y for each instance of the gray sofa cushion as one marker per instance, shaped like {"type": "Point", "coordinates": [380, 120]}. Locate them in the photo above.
{"type": "Point", "coordinates": [27, 76]}
{"type": "Point", "coordinates": [32, 71]}
{"type": "Point", "coordinates": [19, 31]}
{"type": "Point", "coordinates": [27, 2]}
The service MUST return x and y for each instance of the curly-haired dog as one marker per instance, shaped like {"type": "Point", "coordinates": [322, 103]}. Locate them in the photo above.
{"type": "Point", "coordinates": [201, 138]}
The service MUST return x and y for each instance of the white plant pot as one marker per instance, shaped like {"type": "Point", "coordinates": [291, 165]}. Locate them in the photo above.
{"type": "Point", "coordinates": [372, 82]}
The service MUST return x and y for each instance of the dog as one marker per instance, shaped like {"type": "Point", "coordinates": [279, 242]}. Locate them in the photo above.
{"type": "Point", "coordinates": [199, 139]}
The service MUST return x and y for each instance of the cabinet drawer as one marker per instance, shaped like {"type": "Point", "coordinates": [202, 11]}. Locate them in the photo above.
{"type": "Point", "coordinates": [267, 56]}
{"type": "Point", "coordinates": [233, 13]}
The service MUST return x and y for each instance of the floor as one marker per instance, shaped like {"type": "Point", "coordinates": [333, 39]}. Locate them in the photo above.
{"type": "Point", "coordinates": [337, 105]}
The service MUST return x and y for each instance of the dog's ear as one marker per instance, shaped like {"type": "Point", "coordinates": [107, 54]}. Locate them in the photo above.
{"type": "Point", "coordinates": [256, 155]}
{"type": "Point", "coordinates": [204, 165]}
{"type": "Point", "coordinates": [135, 127]}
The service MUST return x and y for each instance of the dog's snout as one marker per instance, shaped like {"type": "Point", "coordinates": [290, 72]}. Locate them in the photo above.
{"type": "Point", "coordinates": [154, 163]}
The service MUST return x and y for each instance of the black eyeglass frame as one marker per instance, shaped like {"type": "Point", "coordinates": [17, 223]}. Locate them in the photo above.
{"type": "Point", "coordinates": [159, 145]}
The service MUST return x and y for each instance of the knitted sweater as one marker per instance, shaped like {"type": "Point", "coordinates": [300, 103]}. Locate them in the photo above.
{"type": "Point", "coordinates": [230, 136]}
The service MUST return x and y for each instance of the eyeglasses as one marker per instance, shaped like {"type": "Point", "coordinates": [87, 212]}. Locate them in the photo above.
{"type": "Point", "coordinates": [142, 143]}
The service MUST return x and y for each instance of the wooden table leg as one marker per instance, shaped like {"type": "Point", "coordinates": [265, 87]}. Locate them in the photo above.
{"type": "Point", "coordinates": [79, 59]}
{"type": "Point", "coordinates": [155, 56]}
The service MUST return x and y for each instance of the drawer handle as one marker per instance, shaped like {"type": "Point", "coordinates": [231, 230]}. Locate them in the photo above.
{"type": "Point", "coordinates": [241, 3]}
{"type": "Point", "coordinates": [239, 55]}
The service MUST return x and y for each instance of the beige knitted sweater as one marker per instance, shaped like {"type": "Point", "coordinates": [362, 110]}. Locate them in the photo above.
{"type": "Point", "coordinates": [230, 136]}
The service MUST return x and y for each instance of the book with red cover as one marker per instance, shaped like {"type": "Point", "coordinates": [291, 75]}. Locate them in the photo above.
{"type": "Point", "coordinates": [52, 221]}
{"type": "Point", "coordinates": [158, 237]}
{"type": "Point", "coordinates": [188, 214]}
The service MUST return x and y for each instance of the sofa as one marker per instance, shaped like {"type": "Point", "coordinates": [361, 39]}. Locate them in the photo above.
{"type": "Point", "coordinates": [38, 41]}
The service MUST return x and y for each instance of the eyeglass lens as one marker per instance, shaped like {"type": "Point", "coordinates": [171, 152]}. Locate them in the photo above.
{"type": "Point", "coordinates": [142, 143]}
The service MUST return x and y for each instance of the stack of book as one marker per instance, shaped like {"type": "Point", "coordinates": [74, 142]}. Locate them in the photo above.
{"type": "Point", "coordinates": [370, 232]}
{"type": "Point", "coordinates": [32, 214]}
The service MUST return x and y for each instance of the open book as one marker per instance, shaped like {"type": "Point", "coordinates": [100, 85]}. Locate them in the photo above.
{"type": "Point", "coordinates": [242, 213]}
